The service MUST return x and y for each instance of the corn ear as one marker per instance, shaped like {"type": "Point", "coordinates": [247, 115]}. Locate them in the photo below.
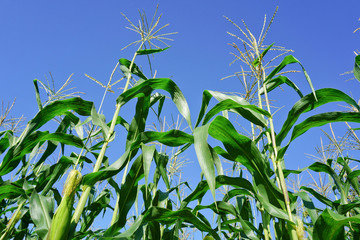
{"type": "Point", "coordinates": [300, 229]}
{"type": "Point", "coordinates": [208, 238]}
{"type": "Point", "coordinates": [60, 224]}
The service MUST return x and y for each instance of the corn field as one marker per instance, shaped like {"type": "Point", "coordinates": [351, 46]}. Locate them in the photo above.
{"type": "Point", "coordinates": [253, 194]}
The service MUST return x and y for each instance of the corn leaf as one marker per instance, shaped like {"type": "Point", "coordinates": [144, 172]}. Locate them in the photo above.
{"type": "Point", "coordinates": [286, 61]}
{"type": "Point", "coordinates": [320, 120]}
{"type": "Point", "coordinates": [125, 68]}
{"type": "Point", "coordinates": [275, 82]}
{"type": "Point", "coordinates": [150, 51]}
{"type": "Point", "coordinates": [241, 107]}
{"type": "Point", "coordinates": [145, 89]}
{"type": "Point", "coordinates": [128, 193]}
{"type": "Point", "coordinates": [40, 209]}
{"type": "Point", "coordinates": [308, 103]}
{"type": "Point", "coordinates": [357, 67]}
{"type": "Point", "coordinates": [204, 156]}
{"type": "Point", "coordinates": [330, 225]}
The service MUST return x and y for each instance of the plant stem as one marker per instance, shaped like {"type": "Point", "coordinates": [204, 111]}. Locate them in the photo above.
{"type": "Point", "coordinates": [85, 195]}
{"type": "Point", "coordinates": [12, 222]}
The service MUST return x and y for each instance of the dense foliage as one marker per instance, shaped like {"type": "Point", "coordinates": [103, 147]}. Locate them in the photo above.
{"type": "Point", "coordinates": [33, 207]}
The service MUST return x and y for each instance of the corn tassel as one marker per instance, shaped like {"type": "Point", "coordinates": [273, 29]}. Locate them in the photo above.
{"type": "Point", "coordinates": [60, 224]}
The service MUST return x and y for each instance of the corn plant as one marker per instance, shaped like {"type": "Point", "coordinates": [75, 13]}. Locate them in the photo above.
{"type": "Point", "coordinates": [32, 207]}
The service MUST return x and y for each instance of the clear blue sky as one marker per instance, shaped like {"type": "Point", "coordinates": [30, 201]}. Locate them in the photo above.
{"type": "Point", "coordinates": [66, 37]}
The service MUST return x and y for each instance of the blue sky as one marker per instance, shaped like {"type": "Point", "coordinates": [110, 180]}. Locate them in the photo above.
{"type": "Point", "coordinates": [65, 37]}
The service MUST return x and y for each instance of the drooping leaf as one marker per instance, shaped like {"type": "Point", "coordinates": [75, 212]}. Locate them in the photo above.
{"type": "Point", "coordinates": [225, 208]}
{"type": "Point", "coordinates": [203, 187]}
{"type": "Point", "coordinates": [125, 68]}
{"type": "Point", "coordinates": [244, 150]}
{"type": "Point", "coordinates": [161, 160]}
{"type": "Point", "coordinates": [91, 178]}
{"type": "Point", "coordinates": [54, 109]}
{"type": "Point", "coordinates": [320, 120]}
{"type": "Point", "coordinates": [344, 208]}
{"type": "Point", "coordinates": [99, 120]}
{"type": "Point", "coordinates": [330, 225]}
{"type": "Point", "coordinates": [318, 196]}
{"type": "Point", "coordinates": [241, 107]}
{"type": "Point", "coordinates": [275, 82]}
{"type": "Point", "coordinates": [11, 190]}
{"type": "Point", "coordinates": [145, 89]}
{"type": "Point", "coordinates": [307, 103]}
{"type": "Point", "coordinates": [286, 61]}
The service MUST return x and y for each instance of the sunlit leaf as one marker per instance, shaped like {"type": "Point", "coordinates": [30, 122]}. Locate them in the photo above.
{"type": "Point", "coordinates": [330, 225]}
{"type": "Point", "coordinates": [204, 156]}
{"type": "Point", "coordinates": [275, 82]}
{"type": "Point", "coordinates": [125, 66]}
{"type": "Point", "coordinates": [145, 89]}
{"type": "Point", "coordinates": [308, 103]}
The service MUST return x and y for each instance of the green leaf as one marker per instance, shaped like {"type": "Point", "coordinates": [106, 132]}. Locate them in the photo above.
{"type": "Point", "coordinates": [320, 120]}
{"type": "Point", "coordinates": [244, 150]}
{"type": "Point", "coordinates": [128, 193]}
{"type": "Point", "coordinates": [145, 89]}
{"type": "Point", "coordinates": [40, 209]}
{"type": "Point", "coordinates": [99, 120]}
{"type": "Point", "coordinates": [224, 208]}
{"type": "Point", "coordinates": [204, 156]}
{"type": "Point", "coordinates": [275, 82]}
{"type": "Point", "coordinates": [321, 167]}
{"type": "Point", "coordinates": [172, 138]}
{"type": "Point", "coordinates": [203, 187]}
{"type": "Point", "coordinates": [138, 123]}
{"type": "Point", "coordinates": [161, 160]}
{"type": "Point", "coordinates": [344, 208]}
{"type": "Point", "coordinates": [330, 225]}
{"type": "Point", "coordinates": [54, 109]}
{"type": "Point", "coordinates": [257, 60]}
{"type": "Point", "coordinates": [241, 107]}
{"type": "Point", "coordinates": [16, 153]}
{"type": "Point", "coordinates": [150, 51]}
{"type": "Point", "coordinates": [5, 141]}
{"type": "Point", "coordinates": [91, 178]}
{"type": "Point", "coordinates": [286, 61]}
{"type": "Point", "coordinates": [49, 175]}
{"type": "Point", "coordinates": [37, 94]}
{"type": "Point", "coordinates": [357, 67]}
{"type": "Point", "coordinates": [318, 196]}
{"type": "Point", "coordinates": [95, 208]}
{"type": "Point", "coordinates": [125, 68]}
{"type": "Point", "coordinates": [308, 103]}
{"type": "Point", "coordinates": [148, 155]}
{"type": "Point", "coordinates": [9, 190]}
{"type": "Point", "coordinates": [166, 216]}
{"type": "Point", "coordinates": [308, 204]}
